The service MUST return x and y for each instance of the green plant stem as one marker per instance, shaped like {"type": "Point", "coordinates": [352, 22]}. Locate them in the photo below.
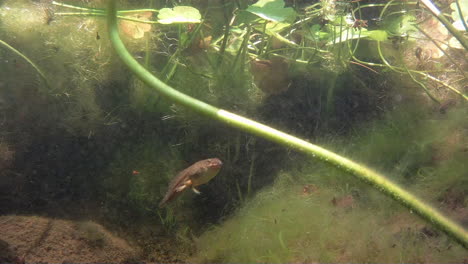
{"type": "Point", "coordinates": [147, 50]}
{"type": "Point", "coordinates": [384, 5]}
{"type": "Point", "coordinates": [251, 172]}
{"type": "Point", "coordinates": [422, 85]}
{"type": "Point", "coordinates": [385, 61]}
{"type": "Point", "coordinates": [102, 11]}
{"type": "Point", "coordinates": [103, 15]}
{"type": "Point", "coordinates": [137, 11]}
{"type": "Point", "coordinates": [433, 98]}
{"type": "Point", "coordinates": [380, 182]}
{"type": "Point", "coordinates": [77, 7]}
{"type": "Point", "coordinates": [436, 12]}
{"type": "Point", "coordinates": [227, 30]}
{"type": "Point", "coordinates": [453, 89]}
{"type": "Point", "coordinates": [17, 52]}
{"type": "Point", "coordinates": [426, 75]}
{"type": "Point", "coordinates": [461, 15]}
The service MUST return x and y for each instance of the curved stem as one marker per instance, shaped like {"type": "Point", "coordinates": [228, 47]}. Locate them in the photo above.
{"type": "Point", "coordinates": [409, 73]}
{"type": "Point", "coordinates": [386, 186]}
{"type": "Point", "coordinates": [17, 52]}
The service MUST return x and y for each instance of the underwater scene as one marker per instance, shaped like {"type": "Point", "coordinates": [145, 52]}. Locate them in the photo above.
{"type": "Point", "coordinates": [233, 131]}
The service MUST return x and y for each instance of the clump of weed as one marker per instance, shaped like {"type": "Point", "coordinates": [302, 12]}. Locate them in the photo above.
{"type": "Point", "coordinates": [92, 234]}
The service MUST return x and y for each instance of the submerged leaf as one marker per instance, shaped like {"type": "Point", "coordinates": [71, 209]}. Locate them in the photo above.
{"type": "Point", "coordinates": [379, 35]}
{"type": "Point", "coordinates": [136, 30]}
{"type": "Point", "coordinates": [273, 10]}
{"type": "Point", "coordinates": [401, 25]}
{"type": "Point", "coordinates": [179, 14]}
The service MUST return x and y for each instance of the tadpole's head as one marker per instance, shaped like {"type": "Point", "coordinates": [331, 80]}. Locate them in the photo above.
{"type": "Point", "coordinates": [214, 163]}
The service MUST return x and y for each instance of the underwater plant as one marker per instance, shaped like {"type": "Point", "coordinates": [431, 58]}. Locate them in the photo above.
{"type": "Point", "coordinates": [255, 56]}
{"type": "Point", "coordinates": [41, 74]}
{"type": "Point", "coordinates": [253, 127]}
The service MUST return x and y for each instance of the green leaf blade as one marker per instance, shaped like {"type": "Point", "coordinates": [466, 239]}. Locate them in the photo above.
{"type": "Point", "coordinates": [273, 10]}
{"type": "Point", "coordinates": [179, 14]}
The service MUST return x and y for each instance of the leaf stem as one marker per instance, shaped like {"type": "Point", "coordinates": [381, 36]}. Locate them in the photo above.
{"type": "Point", "coordinates": [362, 172]}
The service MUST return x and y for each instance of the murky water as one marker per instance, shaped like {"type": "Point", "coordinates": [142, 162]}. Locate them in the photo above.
{"type": "Point", "coordinates": [88, 151]}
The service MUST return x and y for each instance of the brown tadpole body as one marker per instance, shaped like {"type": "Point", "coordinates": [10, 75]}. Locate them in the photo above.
{"type": "Point", "coordinates": [197, 174]}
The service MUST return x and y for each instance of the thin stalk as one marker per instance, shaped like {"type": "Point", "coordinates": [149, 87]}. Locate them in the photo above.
{"type": "Point", "coordinates": [312, 6]}
{"type": "Point", "coordinates": [422, 85]}
{"type": "Point", "coordinates": [239, 6]}
{"type": "Point", "coordinates": [461, 15]}
{"type": "Point", "coordinates": [171, 66]}
{"type": "Point", "coordinates": [359, 36]}
{"type": "Point", "coordinates": [385, 61]}
{"type": "Point", "coordinates": [426, 75]}
{"type": "Point", "coordinates": [401, 70]}
{"type": "Point", "coordinates": [264, 42]}
{"type": "Point", "coordinates": [240, 52]}
{"type": "Point", "coordinates": [441, 49]}
{"type": "Point", "coordinates": [453, 89]}
{"type": "Point", "coordinates": [362, 172]}
{"type": "Point", "coordinates": [98, 10]}
{"type": "Point", "coordinates": [147, 49]}
{"type": "Point", "coordinates": [138, 11]}
{"type": "Point", "coordinates": [77, 7]}
{"type": "Point", "coordinates": [251, 172]}
{"type": "Point", "coordinates": [436, 12]}
{"type": "Point", "coordinates": [17, 52]}
{"type": "Point", "coordinates": [227, 30]}
{"type": "Point", "coordinates": [89, 13]}
{"type": "Point", "coordinates": [103, 15]}
{"type": "Point", "coordinates": [378, 5]}
{"type": "Point", "coordinates": [330, 107]}
{"type": "Point", "coordinates": [390, 3]}
{"type": "Point", "coordinates": [239, 192]}
{"type": "Point", "coordinates": [244, 51]}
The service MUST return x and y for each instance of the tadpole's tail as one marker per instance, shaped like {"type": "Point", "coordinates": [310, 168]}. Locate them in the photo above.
{"type": "Point", "coordinates": [170, 195]}
{"type": "Point", "coordinates": [162, 203]}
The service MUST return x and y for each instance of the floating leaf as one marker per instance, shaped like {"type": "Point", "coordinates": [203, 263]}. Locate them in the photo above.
{"type": "Point", "coordinates": [136, 30]}
{"type": "Point", "coordinates": [273, 10]}
{"type": "Point", "coordinates": [179, 14]}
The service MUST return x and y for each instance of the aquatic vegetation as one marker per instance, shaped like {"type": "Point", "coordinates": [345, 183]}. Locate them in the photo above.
{"type": "Point", "coordinates": [92, 234]}
{"type": "Point", "coordinates": [322, 70]}
{"type": "Point", "coordinates": [365, 174]}
{"type": "Point", "coordinates": [41, 74]}
{"type": "Point", "coordinates": [341, 220]}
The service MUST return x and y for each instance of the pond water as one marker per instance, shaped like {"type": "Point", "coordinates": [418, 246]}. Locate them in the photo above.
{"type": "Point", "coordinates": [99, 165]}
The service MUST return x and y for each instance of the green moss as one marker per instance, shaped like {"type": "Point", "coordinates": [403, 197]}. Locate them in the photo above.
{"type": "Point", "coordinates": [92, 234]}
{"type": "Point", "coordinates": [282, 224]}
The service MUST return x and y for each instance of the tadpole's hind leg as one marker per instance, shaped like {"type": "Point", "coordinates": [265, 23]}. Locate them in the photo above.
{"type": "Point", "coordinates": [180, 188]}
{"type": "Point", "coordinates": [196, 191]}
{"type": "Point", "coordinates": [186, 184]}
